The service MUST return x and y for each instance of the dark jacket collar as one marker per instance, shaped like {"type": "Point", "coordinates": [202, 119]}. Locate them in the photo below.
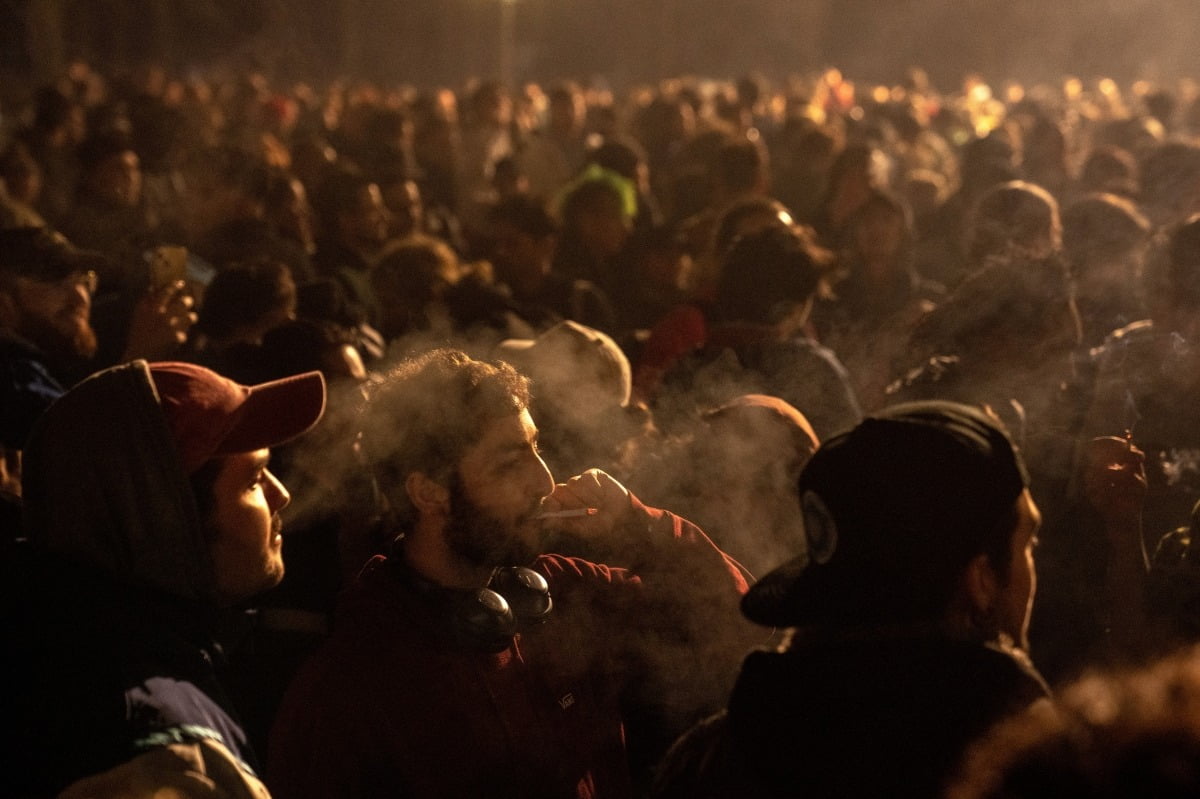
{"type": "Point", "coordinates": [876, 715]}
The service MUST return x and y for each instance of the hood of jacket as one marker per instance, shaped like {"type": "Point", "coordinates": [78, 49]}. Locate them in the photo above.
{"type": "Point", "coordinates": [103, 486]}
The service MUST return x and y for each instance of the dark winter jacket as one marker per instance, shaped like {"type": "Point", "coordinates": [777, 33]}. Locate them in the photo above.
{"type": "Point", "coordinates": [27, 387]}
{"type": "Point", "coordinates": [395, 705]}
{"type": "Point", "coordinates": [110, 604]}
{"type": "Point", "coordinates": [869, 717]}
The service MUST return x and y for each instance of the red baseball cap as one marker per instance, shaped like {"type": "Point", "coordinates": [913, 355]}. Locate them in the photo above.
{"type": "Point", "coordinates": [210, 415]}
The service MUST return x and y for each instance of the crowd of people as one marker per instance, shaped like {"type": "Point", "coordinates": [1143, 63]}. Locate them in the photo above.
{"type": "Point", "coordinates": [694, 440]}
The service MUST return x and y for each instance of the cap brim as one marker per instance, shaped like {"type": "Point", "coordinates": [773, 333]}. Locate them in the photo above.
{"type": "Point", "coordinates": [786, 596]}
{"type": "Point", "coordinates": [275, 413]}
{"type": "Point", "coordinates": [66, 263]}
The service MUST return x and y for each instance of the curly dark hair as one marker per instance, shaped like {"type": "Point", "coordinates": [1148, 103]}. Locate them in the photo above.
{"type": "Point", "coordinates": [424, 415]}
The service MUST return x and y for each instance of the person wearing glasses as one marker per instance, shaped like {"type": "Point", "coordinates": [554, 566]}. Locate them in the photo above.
{"type": "Point", "coordinates": [47, 341]}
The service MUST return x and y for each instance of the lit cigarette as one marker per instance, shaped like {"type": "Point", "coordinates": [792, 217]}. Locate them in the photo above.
{"type": "Point", "coordinates": [568, 514]}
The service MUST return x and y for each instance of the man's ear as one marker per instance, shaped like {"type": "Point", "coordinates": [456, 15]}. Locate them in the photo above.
{"type": "Point", "coordinates": [427, 495]}
{"type": "Point", "coordinates": [981, 587]}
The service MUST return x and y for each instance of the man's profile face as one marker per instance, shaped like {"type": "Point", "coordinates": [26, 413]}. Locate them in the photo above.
{"type": "Point", "coordinates": [1015, 599]}
{"type": "Point", "coordinates": [496, 494]}
{"type": "Point", "coordinates": [366, 223]}
{"type": "Point", "coordinates": [403, 201]}
{"type": "Point", "coordinates": [245, 530]}
{"type": "Point", "coordinates": [606, 228]}
{"type": "Point", "coordinates": [56, 314]}
{"type": "Point", "coordinates": [118, 179]}
{"type": "Point", "coordinates": [521, 259]}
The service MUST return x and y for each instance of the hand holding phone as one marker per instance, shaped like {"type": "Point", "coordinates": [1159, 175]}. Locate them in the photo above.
{"type": "Point", "coordinates": [168, 265]}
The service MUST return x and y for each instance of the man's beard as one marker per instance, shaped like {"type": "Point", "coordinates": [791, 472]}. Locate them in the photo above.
{"type": "Point", "coordinates": [65, 339]}
{"type": "Point", "coordinates": [480, 538]}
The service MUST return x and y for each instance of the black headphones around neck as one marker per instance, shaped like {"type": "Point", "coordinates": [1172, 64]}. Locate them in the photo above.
{"type": "Point", "coordinates": [484, 619]}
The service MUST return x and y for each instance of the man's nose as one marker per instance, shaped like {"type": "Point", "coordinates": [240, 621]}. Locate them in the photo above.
{"type": "Point", "coordinates": [278, 496]}
{"type": "Point", "coordinates": [543, 480]}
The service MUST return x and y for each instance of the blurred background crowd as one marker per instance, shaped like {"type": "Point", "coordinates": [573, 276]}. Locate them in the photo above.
{"type": "Point", "coordinates": [704, 277]}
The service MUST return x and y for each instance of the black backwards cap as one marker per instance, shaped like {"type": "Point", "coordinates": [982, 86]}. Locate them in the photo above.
{"type": "Point", "coordinates": [893, 512]}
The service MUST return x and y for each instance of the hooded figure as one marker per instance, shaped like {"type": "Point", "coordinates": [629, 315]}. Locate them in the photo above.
{"type": "Point", "coordinates": [148, 509]}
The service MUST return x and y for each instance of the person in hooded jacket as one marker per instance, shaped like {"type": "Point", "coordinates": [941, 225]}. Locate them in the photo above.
{"type": "Point", "coordinates": [148, 510]}
{"type": "Point", "coordinates": [907, 617]}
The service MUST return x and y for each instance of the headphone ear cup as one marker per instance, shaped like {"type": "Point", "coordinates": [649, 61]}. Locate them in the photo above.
{"type": "Point", "coordinates": [527, 592]}
{"type": "Point", "coordinates": [483, 620]}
